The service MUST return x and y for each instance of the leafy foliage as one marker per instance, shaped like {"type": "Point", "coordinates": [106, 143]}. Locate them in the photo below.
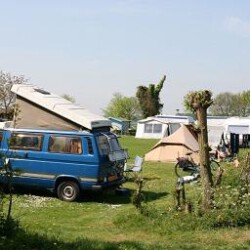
{"type": "Point", "coordinates": [138, 197]}
{"type": "Point", "coordinates": [7, 225]}
{"type": "Point", "coordinates": [6, 96]}
{"type": "Point", "coordinates": [245, 101]}
{"type": "Point", "coordinates": [198, 99]}
{"type": "Point", "coordinates": [230, 104]}
{"type": "Point", "coordinates": [149, 99]}
{"type": "Point", "coordinates": [123, 107]}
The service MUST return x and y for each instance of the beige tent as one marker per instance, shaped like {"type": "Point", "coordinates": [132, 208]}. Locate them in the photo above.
{"type": "Point", "coordinates": [182, 141]}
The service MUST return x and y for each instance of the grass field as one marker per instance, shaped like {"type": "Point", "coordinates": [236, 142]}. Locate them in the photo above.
{"type": "Point", "coordinates": [108, 221]}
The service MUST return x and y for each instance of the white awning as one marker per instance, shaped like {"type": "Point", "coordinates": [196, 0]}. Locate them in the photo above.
{"type": "Point", "coordinates": [239, 129]}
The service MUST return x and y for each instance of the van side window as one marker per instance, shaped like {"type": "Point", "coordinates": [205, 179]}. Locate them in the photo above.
{"type": "Point", "coordinates": [1, 137]}
{"type": "Point", "coordinates": [65, 144]}
{"type": "Point", "coordinates": [24, 141]}
{"type": "Point", "coordinates": [90, 146]}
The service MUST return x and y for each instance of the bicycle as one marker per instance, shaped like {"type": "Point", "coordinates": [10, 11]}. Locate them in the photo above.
{"type": "Point", "coordinates": [186, 164]}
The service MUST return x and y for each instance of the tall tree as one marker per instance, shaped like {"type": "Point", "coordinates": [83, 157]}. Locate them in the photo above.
{"type": "Point", "coordinates": [149, 98]}
{"type": "Point", "coordinates": [123, 107]}
{"type": "Point", "coordinates": [199, 102]}
{"type": "Point", "coordinates": [6, 96]}
{"type": "Point", "coordinates": [245, 97]}
{"type": "Point", "coordinates": [222, 104]}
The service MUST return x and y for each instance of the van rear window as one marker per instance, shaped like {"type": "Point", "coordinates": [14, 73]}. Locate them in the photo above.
{"type": "Point", "coordinates": [103, 144]}
{"type": "Point", "coordinates": [23, 141]}
{"type": "Point", "coordinates": [107, 144]}
{"type": "Point", "coordinates": [65, 144]}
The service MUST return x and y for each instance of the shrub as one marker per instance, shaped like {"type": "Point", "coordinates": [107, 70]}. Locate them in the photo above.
{"type": "Point", "coordinates": [7, 225]}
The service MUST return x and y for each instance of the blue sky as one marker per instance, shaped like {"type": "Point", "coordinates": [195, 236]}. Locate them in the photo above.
{"type": "Point", "coordinates": [92, 49]}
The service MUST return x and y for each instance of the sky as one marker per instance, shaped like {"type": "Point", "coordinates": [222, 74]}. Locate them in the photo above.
{"type": "Point", "coordinates": [92, 49]}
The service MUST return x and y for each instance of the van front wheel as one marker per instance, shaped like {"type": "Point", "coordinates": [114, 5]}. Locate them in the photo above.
{"type": "Point", "coordinates": [68, 191]}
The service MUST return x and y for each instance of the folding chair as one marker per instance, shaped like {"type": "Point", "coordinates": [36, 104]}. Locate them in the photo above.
{"type": "Point", "coordinates": [136, 167]}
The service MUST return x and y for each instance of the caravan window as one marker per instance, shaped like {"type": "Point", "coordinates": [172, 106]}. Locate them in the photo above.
{"type": "Point", "coordinates": [65, 144]}
{"type": "Point", "coordinates": [26, 141]}
{"type": "Point", "coordinates": [174, 127]}
{"type": "Point", "coordinates": [157, 128]}
{"type": "Point", "coordinates": [148, 128]}
{"type": "Point", "coordinates": [153, 128]}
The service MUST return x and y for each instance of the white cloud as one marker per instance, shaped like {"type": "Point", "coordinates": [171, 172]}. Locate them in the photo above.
{"type": "Point", "coordinates": [238, 26]}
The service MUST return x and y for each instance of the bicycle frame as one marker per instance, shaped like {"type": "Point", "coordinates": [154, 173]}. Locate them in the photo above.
{"type": "Point", "coordinates": [184, 164]}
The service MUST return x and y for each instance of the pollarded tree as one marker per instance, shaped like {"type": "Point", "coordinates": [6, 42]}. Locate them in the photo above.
{"type": "Point", "coordinates": [149, 98]}
{"type": "Point", "coordinates": [198, 102]}
{"type": "Point", "coordinates": [123, 107]}
{"type": "Point", "coordinates": [7, 98]}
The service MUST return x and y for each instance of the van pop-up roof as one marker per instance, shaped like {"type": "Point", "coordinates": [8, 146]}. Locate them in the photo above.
{"type": "Point", "coordinates": [42, 109]}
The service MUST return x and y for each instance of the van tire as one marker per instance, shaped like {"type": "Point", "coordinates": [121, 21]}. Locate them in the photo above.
{"type": "Point", "coordinates": [68, 191]}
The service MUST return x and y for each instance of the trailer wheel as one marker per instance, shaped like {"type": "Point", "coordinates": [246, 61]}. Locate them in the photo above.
{"type": "Point", "coordinates": [68, 191]}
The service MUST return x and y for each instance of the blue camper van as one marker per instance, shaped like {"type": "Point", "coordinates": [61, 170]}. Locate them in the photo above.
{"type": "Point", "coordinates": [66, 162]}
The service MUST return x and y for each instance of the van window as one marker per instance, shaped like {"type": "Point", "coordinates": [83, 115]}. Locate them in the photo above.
{"type": "Point", "coordinates": [65, 144]}
{"type": "Point", "coordinates": [103, 145]}
{"type": "Point", "coordinates": [1, 137]}
{"type": "Point", "coordinates": [114, 143]}
{"type": "Point", "coordinates": [26, 141]}
{"type": "Point", "coordinates": [107, 144]}
{"type": "Point", "coordinates": [90, 146]}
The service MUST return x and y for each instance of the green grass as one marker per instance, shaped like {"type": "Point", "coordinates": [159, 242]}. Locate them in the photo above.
{"type": "Point", "coordinates": [137, 146]}
{"type": "Point", "coordinates": [107, 221]}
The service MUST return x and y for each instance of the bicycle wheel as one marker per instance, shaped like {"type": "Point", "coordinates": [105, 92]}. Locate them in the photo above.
{"type": "Point", "coordinates": [178, 169]}
{"type": "Point", "coordinates": [182, 170]}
